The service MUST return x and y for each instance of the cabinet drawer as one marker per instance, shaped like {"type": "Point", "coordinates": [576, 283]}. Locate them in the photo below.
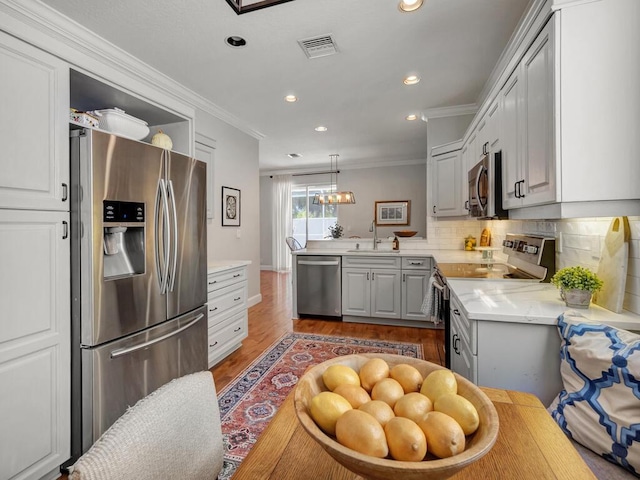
{"type": "Point", "coordinates": [468, 329]}
{"type": "Point", "coordinates": [225, 299]}
{"type": "Point", "coordinates": [224, 278]}
{"type": "Point", "coordinates": [416, 263]}
{"type": "Point", "coordinates": [377, 261]}
{"type": "Point", "coordinates": [232, 331]}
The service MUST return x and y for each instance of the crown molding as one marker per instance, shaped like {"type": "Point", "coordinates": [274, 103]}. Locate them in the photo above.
{"type": "Point", "coordinates": [74, 43]}
{"type": "Point", "coordinates": [454, 111]}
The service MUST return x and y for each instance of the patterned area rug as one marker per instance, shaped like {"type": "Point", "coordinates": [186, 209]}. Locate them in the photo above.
{"type": "Point", "coordinates": [249, 402]}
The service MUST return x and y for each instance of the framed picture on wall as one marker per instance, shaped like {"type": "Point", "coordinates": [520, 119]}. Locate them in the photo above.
{"type": "Point", "coordinates": [230, 207]}
{"type": "Point", "coordinates": [393, 212]}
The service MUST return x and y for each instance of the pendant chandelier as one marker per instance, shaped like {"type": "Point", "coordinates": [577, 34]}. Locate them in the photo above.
{"type": "Point", "coordinates": [334, 197]}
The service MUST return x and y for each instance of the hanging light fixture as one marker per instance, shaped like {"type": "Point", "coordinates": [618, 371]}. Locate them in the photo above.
{"type": "Point", "coordinates": [334, 197]}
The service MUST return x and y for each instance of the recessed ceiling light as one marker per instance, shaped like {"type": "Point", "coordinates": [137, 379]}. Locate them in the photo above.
{"type": "Point", "coordinates": [235, 41]}
{"type": "Point", "coordinates": [411, 117]}
{"type": "Point", "coordinates": [290, 98]}
{"type": "Point", "coordinates": [294, 155]}
{"type": "Point", "coordinates": [409, 5]}
{"type": "Point", "coordinates": [411, 80]}
{"type": "Point", "coordinates": [321, 129]}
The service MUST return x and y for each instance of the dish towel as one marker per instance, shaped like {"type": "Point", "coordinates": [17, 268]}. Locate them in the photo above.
{"type": "Point", "coordinates": [431, 302]}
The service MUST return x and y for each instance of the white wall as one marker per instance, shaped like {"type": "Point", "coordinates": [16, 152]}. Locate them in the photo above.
{"type": "Point", "coordinates": [235, 165]}
{"type": "Point", "coordinates": [403, 182]}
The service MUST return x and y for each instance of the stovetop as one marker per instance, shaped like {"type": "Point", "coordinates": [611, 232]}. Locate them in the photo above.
{"type": "Point", "coordinates": [530, 258]}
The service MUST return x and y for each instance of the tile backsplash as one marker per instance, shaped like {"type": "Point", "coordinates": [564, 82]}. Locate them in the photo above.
{"type": "Point", "coordinates": [578, 242]}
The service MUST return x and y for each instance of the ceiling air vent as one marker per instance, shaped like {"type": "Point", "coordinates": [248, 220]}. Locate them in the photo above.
{"type": "Point", "coordinates": [318, 46]}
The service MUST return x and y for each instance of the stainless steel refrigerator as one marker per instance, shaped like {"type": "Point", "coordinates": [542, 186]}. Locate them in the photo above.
{"type": "Point", "coordinates": [138, 275]}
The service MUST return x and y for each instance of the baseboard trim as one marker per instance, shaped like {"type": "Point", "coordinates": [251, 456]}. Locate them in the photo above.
{"type": "Point", "coordinates": [256, 299]}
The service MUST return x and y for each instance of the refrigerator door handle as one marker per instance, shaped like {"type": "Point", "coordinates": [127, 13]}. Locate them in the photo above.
{"type": "Point", "coordinates": [163, 269]}
{"type": "Point", "coordinates": [174, 211]}
{"type": "Point", "coordinates": [124, 351]}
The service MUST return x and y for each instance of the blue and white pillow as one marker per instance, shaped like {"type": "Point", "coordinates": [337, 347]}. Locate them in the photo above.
{"type": "Point", "coordinates": [599, 406]}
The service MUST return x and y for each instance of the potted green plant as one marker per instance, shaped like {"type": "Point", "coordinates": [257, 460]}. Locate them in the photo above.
{"type": "Point", "coordinates": [335, 231]}
{"type": "Point", "coordinates": [577, 285]}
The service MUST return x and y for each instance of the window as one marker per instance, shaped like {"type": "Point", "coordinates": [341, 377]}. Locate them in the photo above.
{"type": "Point", "coordinates": [311, 222]}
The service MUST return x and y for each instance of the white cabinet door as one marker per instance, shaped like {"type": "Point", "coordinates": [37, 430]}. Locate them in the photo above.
{"type": "Point", "coordinates": [385, 293]}
{"type": "Point", "coordinates": [356, 292]}
{"type": "Point", "coordinates": [511, 105]}
{"type": "Point", "coordinates": [34, 118]}
{"type": "Point", "coordinates": [538, 161]}
{"type": "Point", "coordinates": [414, 288]}
{"type": "Point", "coordinates": [446, 185]}
{"type": "Point", "coordinates": [463, 362]}
{"type": "Point", "coordinates": [35, 341]}
{"type": "Point", "coordinates": [205, 151]}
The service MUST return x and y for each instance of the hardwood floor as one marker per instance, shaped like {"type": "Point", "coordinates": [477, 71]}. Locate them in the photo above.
{"type": "Point", "coordinates": [271, 319]}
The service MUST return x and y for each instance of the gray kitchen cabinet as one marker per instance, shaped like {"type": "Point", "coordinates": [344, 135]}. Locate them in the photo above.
{"type": "Point", "coordinates": [508, 355]}
{"type": "Point", "coordinates": [447, 185]}
{"type": "Point", "coordinates": [35, 373]}
{"type": "Point", "coordinates": [416, 272]}
{"type": "Point", "coordinates": [34, 94]}
{"type": "Point", "coordinates": [371, 287]}
{"type": "Point", "coordinates": [228, 318]}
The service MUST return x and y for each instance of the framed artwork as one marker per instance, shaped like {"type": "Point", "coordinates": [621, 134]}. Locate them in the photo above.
{"type": "Point", "coordinates": [230, 207]}
{"type": "Point", "coordinates": [393, 212]}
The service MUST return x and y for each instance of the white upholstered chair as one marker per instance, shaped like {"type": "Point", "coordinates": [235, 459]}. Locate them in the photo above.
{"type": "Point", "coordinates": [173, 432]}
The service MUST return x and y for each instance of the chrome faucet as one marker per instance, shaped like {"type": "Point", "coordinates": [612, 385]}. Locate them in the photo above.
{"type": "Point", "coordinates": [373, 229]}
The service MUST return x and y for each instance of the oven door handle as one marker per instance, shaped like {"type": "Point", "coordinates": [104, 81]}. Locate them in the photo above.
{"type": "Point", "coordinates": [124, 351]}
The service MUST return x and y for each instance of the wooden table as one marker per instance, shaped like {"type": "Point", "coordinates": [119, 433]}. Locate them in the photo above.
{"type": "Point", "coordinates": [529, 446]}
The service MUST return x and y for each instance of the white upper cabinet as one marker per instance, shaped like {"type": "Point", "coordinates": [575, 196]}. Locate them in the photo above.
{"type": "Point", "coordinates": [527, 101]}
{"type": "Point", "coordinates": [447, 186]}
{"type": "Point", "coordinates": [34, 94]}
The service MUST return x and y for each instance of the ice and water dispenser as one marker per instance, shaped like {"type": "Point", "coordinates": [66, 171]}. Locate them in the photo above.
{"type": "Point", "coordinates": [124, 246]}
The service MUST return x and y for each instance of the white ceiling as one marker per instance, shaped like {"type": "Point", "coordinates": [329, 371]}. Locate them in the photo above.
{"type": "Point", "coordinates": [358, 94]}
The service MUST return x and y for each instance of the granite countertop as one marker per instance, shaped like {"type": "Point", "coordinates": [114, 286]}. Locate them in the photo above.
{"type": "Point", "coordinates": [527, 302]}
{"type": "Point", "coordinates": [222, 265]}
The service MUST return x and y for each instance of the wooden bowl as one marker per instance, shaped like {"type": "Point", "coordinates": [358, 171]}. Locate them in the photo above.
{"type": "Point", "coordinates": [477, 444]}
{"type": "Point", "coordinates": [405, 233]}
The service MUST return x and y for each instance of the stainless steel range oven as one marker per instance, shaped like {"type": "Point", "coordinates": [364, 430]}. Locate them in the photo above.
{"type": "Point", "coordinates": [530, 258]}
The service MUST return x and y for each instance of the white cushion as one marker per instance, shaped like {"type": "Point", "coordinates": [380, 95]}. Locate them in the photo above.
{"type": "Point", "coordinates": [599, 406]}
{"type": "Point", "coordinates": [173, 432]}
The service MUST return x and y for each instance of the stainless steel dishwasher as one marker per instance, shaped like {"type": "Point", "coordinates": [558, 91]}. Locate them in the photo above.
{"type": "Point", "coordinates": [319, 285]}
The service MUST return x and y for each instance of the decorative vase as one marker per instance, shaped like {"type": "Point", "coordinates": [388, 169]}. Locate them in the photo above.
{"type": "Point", "coordinates": [575, 298]}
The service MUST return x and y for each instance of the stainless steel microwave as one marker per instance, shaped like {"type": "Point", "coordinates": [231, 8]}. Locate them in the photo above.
{"type": "Point", "coordinates": [485, 187]}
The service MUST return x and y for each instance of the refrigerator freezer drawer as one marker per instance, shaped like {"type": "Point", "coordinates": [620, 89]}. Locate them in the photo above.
{"type": "Point", "coordinates": [118, 374]}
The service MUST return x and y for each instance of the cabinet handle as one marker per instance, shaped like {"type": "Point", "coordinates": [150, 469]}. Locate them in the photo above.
{"type": "Point", "coordinates": [236, 299]}
{"type": "Point", "coordinates": [434, 209]}
{"type": "Point", "coordinates": [456, 311]}
{"type": "Point", "coordinates": [211, 283]}
{"type": "Point", "coordinates": [367, 275]}
{"type": "Point", "coordinates": [65, 230]}
{"type": "Point", "coordinates": [213, 309]}
{"type": "Point", "coordinates": [236, 275]}
{"type": "Point", "coordinates": [65, 192]}
{"type": "Point", "coordinates": [522, 183]}
{"type": "Point", "coordinates": [237, 329]}
{"type": "Point", "coordinates": [466, 204]}
{"type": "Point", "coordinates": [373, 276]}
{"type": "Point", "coordinates": [456, 342]}
{"type": "Point", "coordinates": [404, 276]}
{"type": "Point", "coordinates": [213, 344]}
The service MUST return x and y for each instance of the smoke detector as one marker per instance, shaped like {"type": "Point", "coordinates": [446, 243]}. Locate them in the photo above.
{"type": "Point", "coordinates": [320, 46]}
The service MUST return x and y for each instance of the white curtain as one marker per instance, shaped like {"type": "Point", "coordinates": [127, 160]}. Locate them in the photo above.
{"type": "Point", "coordinates": [281, 219]}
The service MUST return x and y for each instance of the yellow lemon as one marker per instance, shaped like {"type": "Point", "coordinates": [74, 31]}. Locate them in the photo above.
{"type": "Point", "coordinates": [361, 432]}
{"type": "Point", "coordinates": [326, 408]}
{"type": "Point", "coordinates": [388, 390]}
{"type": "Point", "coordinates": [413, 406]}
{"type": "Point", "coordinates": [408, 376]}
{"type": "Point", "coordinates": [445, 437]}
{"type": "Point", "coordinates": [460, 409]}
{"type": "Point", "coordinates": [374, 370]}
{"type": "Point", "coordinates": [406, 440]}
{"type": "Point", "coordinates": [353, 393]}
{"type": "Point", "coordinates": [336, 375]}
{"type": "Point", "coordinates": [380, 410]}
{"type": "Point", "coordinates": [439, 382]}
